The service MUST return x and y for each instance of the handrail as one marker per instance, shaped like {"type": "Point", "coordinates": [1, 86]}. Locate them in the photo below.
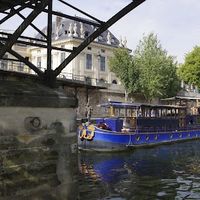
{"type": "Point", "coordinates": [7, 64]}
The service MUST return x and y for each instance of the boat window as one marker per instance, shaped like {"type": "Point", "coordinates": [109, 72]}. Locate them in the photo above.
{"type": "Point", "coordinates": [153, 113]}
{"type": "Point", "coordinates": [117, 112]}
{"type": "Point", "coordinates": [160, 113]}
{"type": "Point", "coordinates": [188, 134]}
{"type": "Point", "coordinates": [111, 111]}
{"type": "Point", "coordinates": [147, 138]}
{"type": "Point", "coordinates": [139, 113]}
{"type": "Point", "coordinates": [171, 136]}
{"type": "Point", "coordinates": [174, 112]}
{"type": "Point", "coordinates": [122, 112]}
{"type": "Point", "coordinates": [156, 137]}
{"type": "Point", "coordinates": [129, 112]}
{"type": "Point", "coordinates": [180, 135]}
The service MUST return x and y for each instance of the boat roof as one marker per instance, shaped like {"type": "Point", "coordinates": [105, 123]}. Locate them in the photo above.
{"type": "Point", "coordinates": [181, 97]}
{"type": "Point", "coordinates": [130, 105]}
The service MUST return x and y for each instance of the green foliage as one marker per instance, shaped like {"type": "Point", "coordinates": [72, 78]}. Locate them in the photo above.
{"type": "Point", "coordinates": [189, 72]}
{"type": "Point", "coordinates": [158, 76]}
{"type": "Point", "coordinates": [150, 71]}
{"type": "Point", "coordinates": [123, 66]}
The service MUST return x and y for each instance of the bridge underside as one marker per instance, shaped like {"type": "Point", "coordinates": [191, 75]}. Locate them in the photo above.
{"type": "Point", "coordinates": [9, 9]}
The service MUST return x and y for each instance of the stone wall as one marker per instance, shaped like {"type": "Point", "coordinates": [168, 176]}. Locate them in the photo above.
{"type": "Point", "coordinates": [38, 143]}
{"type": "Point", "coordinates": [95, 97]}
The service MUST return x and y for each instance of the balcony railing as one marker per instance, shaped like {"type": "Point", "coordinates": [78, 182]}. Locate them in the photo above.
{"type": "Point", "coordinates": [13, 65]}
{"type": "Point", "coordinates": [16, 66]}
{"type": "Point", "coordinates": [82, 78]}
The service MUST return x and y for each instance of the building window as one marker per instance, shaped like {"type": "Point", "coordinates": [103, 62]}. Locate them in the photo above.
{"type": "Point", "coordinates": [62, 57]}
{"type": "Point", "coordinates": [4, 63]}
{"type": "Point", "coordinates": [102, 80]}
{"type": "Point", "coordinates": [62, 54]}
{"type": "Point", "coordinates": [101, 38]}
{"type": "Point", "coordinates": [102, 63]}
{"type": "Point", "coordinates": [39, 64]}
{"type": "Point", "coordinates": [21, 67]}
{"type": "Point", "coordinates": [88, 61]}
{"type": "Point", "coordinates": [87, 34]}
{"type": "Point", "coordinates": [89, 48]}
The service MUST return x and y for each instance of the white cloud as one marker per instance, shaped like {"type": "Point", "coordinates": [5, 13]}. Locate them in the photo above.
{"type": "Point", "coordinates": [176, 22]}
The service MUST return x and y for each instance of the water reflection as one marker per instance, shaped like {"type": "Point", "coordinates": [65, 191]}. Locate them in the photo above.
{"type": "Point", "coordinates": [41, 166]}
{"type": "Point", "coordinates": [163, 172]}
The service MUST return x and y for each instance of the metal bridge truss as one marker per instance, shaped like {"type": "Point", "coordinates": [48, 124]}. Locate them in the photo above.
{"type": "Point", "coordinates": [10, 8]}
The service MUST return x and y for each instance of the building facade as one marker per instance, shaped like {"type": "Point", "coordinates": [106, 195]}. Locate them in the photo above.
{"type": "Point", "coordinates": [91, 63]}
{"type": "Point", "coordinates": [10, 63]}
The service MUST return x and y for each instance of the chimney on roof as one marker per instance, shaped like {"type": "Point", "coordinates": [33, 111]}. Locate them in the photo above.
{"type": "Point", "coordinates": [97, 38]}
{"type": "Point", "coordinates": [108, 38]}
{"type": "Point", "coordinates": [58, 21]}
{"type": "Point", "coordinates": [58, 24]}
{"type": "Point", "coordinates": [82, 31]}
{"type": "Point", "coordinates": [125, 42]}
{"type": "Point", "coordinates": [70, 32]}
{"type": "Point", "coordinates": [75, 30]}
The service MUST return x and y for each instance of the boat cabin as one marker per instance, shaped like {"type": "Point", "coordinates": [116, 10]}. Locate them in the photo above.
{"type": "Point", "coordinates": [126, 117]}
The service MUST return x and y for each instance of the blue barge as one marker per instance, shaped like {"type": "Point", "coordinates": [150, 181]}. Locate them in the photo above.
{"type": "Point", "coordinates": [131, 125]}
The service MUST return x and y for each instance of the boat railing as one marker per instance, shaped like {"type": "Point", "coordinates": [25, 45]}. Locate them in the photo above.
{"type": "Point", "coordinates": [116, 124]}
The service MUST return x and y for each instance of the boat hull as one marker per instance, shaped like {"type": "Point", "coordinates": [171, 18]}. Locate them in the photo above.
{"type": "Point", "coordinates": [104, 140]}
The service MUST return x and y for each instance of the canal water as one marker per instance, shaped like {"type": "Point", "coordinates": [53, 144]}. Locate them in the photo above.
{"type": "Point", "coordinates": [162, 172]}
{"type": "Point", "coordinates": [42, 170]}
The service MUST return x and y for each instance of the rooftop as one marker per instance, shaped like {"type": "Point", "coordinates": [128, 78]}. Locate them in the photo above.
{"type": "Point", "coordinates": [67, 28]}
{"type": "Point", "coordinates": [129, 105]}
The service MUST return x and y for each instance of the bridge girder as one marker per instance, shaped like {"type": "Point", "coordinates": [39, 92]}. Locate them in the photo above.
{"type": "Point", "coordinates": [11, 8]}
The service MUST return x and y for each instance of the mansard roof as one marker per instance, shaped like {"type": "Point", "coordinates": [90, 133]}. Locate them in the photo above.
{"type": "Point", "coordinates": [67, 28]}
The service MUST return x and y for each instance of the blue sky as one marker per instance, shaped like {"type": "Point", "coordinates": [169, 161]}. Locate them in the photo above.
{"type": "Point", "coordinates": [176, 22]}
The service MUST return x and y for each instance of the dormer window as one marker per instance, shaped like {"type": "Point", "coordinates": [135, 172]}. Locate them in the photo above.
{"type": "Point", "coordinates": [114, 82]}
{"type": "Point", "coordinates": [102, 80]}
{"type": "Point", "coordinates": [86, 34]}
{"type": "Point", "coordinates": [100, 37]}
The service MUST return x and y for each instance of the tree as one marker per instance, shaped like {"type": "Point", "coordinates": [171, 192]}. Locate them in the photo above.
{"type": "Point", "coordinates": [189, 72]}
{"type": "Point", "coordinates": [158, 77]}
{"type": "Point", "coordinates": [123, 66]}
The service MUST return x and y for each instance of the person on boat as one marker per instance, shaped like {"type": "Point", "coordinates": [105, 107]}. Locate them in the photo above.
{"type": "Point", "coordinates": [103, 125]}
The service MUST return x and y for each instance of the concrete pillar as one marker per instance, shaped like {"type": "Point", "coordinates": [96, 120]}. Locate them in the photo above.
{"type": "Point", "coordinates": [38, 146]}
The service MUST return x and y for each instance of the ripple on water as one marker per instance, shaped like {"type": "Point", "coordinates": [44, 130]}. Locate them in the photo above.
{"type": "Point", "coordinates": [181, 180]}
{"type": "Point", "coordinates": [196, 185]}
{"type": "Point", "coordinates": [113, 197]}
{"type": "Point", "coordinates": [160, 173]}
{"type": "Point", "coordinates": [161, 194]}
